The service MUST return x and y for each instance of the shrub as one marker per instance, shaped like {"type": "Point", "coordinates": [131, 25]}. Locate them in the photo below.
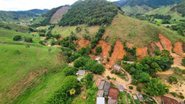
{"type": "Point", "coordinates": [28, 39]}
{"type": "Point", "coordinates": [70, 71]}
{"type": "Point", "coordinates": [155, 88]}
{"type": "Point", "coordinates": [98, 50]}
{"type": "Point", "coordinates": [17, 38]}
{"type": "Point", "coordinates": [62, 96]}
{"type": "Point", "coordinates": [172, 80]}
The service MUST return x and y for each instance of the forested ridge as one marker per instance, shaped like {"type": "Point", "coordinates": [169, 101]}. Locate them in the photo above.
{"type": "Point", "coordinates": [91, 12]}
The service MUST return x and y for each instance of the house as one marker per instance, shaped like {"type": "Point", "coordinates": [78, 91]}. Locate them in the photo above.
{"type": "Point", "coordinates": [106, 88]}
{"type": "Point", "coordinates": [135, 97]}
{"type": "Point", "coordinates": [101, 85]}
{"type": "Point", "coordinates": [103, 88]}
{"type": "Point", "coordinates": [140, 96]}
{"type": "Point", "coordinates": [100, 93]}
{"type": "Point", "coordinates": [168, 100]}
{"type": "Point", "coordinates": [113, 96]}
{"type": "Point", "coordinates": [98, 59]}
{"type": "Point", "coordinates": [120, 88]}
{"type": "Point", "coordinates": [117, 68]}
{"type": "Point", "coordinates": [80, 74]}
{"type": "Point", "coordinates": [100, 100]}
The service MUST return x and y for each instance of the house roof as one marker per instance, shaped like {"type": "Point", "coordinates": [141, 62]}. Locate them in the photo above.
{"type": "Point", "coordinates": [106, 86]}
{"type": "Point", "coordinates": [120, 87]}
{"type": "Point", "coordinates": [100, 100]}
{"type": "Point", "coordinates": [167, 100]}
{"type": "Point", "coordinates": [100, 93]}
{"type": "Point", "coordinates": [100, 87]}
{"type": "Point", "coordinates": [113, 93]}
{"type": "Point", "coordinates": [80, 72]}
{"type": "Point", "coordinates": [112, 101]}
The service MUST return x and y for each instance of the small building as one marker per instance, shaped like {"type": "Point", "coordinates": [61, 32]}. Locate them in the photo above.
{"type": "Point", "coordinates": [120, 88]}
{"type": "Point", "coordinates": [117, 68]}
{"type": "Point", "coordinates": [80, 72]}
{"type": "Point", "coordinates": [106, 88]}
{"type": "Point", "coordinates": [101, 86]}
{"type": "Point", "coordinates": [98, 59]}
{"type": "Point", "coordinates": [168, 100]}
{"type": "Point", "coordinates": [100, 93]}
{"type": "Point", "coordinates": [140, 96]}
{"type": "Point", "coordinates": [135, 97]}
{"type": "Point", "coordinates": [113, 96]}
{"type": "Point", "coordinates": [100, 100]}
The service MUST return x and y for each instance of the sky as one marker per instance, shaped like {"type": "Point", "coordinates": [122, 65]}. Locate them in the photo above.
{"type": "Point", "coordinates": [14, 5]}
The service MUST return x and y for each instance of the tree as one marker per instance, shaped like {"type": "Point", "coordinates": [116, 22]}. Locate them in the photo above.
{"type": "Point", "coordinates": [155, 88]}
{"type": "Point", "coordinates": [17, 38]}
{"type": "Point", "coordinates": [97, 69]}
{"type": "Point", "coordinates": [70, 71]}
{"type": "Point", "coordinates": [98, 50]}
{"type": "Point", "coordinates": [80, 62]}
{"type": "Point", "coordinates": [70, 85]}
{"type": "Point", "coordinates": [183, 61]}
{"type": "Point", "coordinates": [172, 80]}
{"type": "Point", "coordinates": [28, 39]}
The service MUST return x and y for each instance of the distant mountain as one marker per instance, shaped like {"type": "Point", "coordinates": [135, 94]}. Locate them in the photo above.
{"type": "Point", "coordinates": [20, 16]}
{"type": "Point", "coordinates": [54, 15]}
{"type": "Point", "coordinates": [150, 3]}
{"type": "Point", "coordinates": [180, 8]}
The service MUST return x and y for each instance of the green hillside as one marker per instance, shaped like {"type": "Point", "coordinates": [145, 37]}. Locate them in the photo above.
{"type": "Point", "coordinates": [91, 12]}
{"type": "Point", "coordinates": [18, 61]}
{"type": "Point", "coordinates": [138, 32]}
{"type": "Point", "coordinates": [22, 17]}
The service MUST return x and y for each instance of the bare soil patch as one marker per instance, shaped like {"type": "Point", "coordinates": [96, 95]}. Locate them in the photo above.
{"type": "Point", "coordinates": [165, 42]}
{"type": "Point", "coordinates": [82, 43]}
{"type": "Point", "coordinates": [105, 48]}
{"type": "Point", "coordinates": [141, 52]}
{"type": "Point", "coordinates": [178, 48]}
{"type": "Point", "coordinates": [117, 54]}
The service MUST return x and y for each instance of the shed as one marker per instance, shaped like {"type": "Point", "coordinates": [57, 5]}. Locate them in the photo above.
{"type": "Point", "coordinates": [100, 100]}
{"type": "Point", "coordinates": [116, 67]}
{"type": "Point", "coordinates": [140, 96]}
{"type": "Point", "coordinates": [120, 88]}
{"type": "Point", "coordinates": [80, 72]}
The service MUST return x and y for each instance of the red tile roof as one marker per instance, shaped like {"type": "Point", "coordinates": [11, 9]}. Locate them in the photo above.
{"type": "Point", "coordinates": [113, 93]}
{"type": "Point", "coordinates": [167, 100]}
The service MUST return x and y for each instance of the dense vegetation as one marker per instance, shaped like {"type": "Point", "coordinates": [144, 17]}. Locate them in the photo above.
{"type": "Point", "coordinates": [180, 8]}
{"type": "Point", "coordinates": [144, 70]}
{"type": "Point", "coordinates": [68, 89]}
{"type": "Point", "coordinates": [91, 12]}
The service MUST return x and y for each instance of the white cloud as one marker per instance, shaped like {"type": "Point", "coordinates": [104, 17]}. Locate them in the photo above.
{"type": "Point", "coordinates": [33, 4]}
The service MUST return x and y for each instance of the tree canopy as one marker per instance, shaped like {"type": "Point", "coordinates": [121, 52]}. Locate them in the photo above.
{"type": "Point", "coordinates": [91, 12]}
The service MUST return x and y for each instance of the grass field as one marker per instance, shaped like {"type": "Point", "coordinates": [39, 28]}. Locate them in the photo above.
{"type": "Point", "coordinates": [139, 33]}
{"type": "Point", "coordinates": [41, 92]}
{"type": "Point", "coordinates": [18, 61]}
{"type": "Point", "coordinates": [67, 30]}
{"type": "Point", "coordinates": [7, 36]}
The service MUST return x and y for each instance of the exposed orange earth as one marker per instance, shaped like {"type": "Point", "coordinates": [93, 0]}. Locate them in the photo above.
{"type": "Point", "coordinates": [118, 53]}
{"type": "Point", "coordinates": [178, 48]}
{"type": "Point", "coordinates": [82, 43]}
{"type": "Point", "coordinates": [142, 52]}
{"type": "Point", "coordinates": [158, 44]}
{"type": "Point", "coordinates": [105, 48]}
{"type": "Point", "coordinates": [166, 43]}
